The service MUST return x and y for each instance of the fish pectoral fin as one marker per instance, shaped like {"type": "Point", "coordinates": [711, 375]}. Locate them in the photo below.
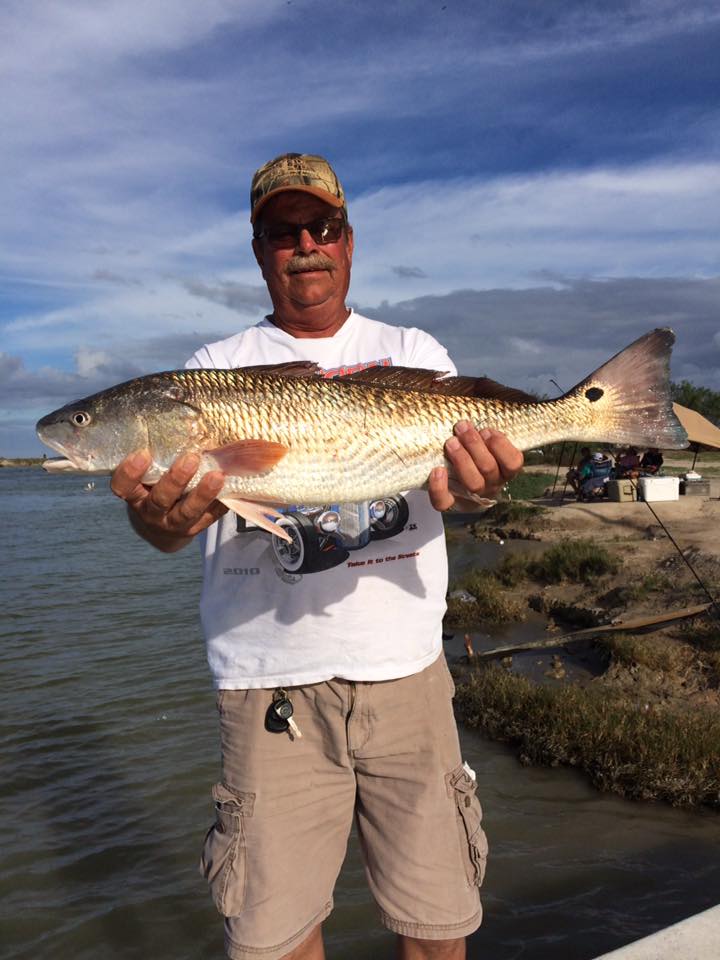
{"type": "Point", "coordinates": [260, 514]}
{"type": "Point", "coordinates": [466, 502]}
{"type": "Point", "coordinates": [246, 457]}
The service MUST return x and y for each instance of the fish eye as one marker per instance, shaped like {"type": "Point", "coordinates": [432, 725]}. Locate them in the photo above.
{"type": "Point", "coordinates": [80, 418]}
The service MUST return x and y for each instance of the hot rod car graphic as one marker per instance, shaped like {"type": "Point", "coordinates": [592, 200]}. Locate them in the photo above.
{"type": "Point", "coordinates": [322, 537]}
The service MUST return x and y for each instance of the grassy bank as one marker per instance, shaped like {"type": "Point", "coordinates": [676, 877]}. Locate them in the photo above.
{"type": "Point", "coordinates": [494, 593]}
{"type": "Point", "coordinates": [649, 726]}
{"type": "Point", "coordinates": [633, 748]}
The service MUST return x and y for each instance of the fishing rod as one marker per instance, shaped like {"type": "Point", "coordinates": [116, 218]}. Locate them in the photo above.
{"type": "Point", "coordinates": [713, 602]}
{"type": "Point", "coordinates": [562, 451]}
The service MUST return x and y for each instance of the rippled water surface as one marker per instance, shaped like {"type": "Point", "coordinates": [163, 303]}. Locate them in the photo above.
{"type": "Point", "coordinates": [108, 747]}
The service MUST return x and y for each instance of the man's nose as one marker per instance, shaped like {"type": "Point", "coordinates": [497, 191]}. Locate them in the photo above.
{"type": "Point", "coordinates": [305, 243]}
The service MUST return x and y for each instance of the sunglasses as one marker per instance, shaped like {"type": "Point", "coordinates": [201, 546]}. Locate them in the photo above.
{"type": "Point", "coordinates": [283, 236]}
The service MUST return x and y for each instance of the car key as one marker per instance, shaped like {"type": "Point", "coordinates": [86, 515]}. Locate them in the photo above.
{"type": "Point", "coordinates": [283, 709]}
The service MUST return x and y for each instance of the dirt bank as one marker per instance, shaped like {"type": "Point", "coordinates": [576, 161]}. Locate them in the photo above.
{"type": "Point", "coordinates": [691, 521]}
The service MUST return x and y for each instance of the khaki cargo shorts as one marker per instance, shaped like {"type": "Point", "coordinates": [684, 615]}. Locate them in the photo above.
{"type": "Point", "coordinates": [386, 754]}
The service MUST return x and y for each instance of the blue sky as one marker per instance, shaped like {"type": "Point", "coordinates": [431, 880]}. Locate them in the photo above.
{"type": "Point", "coordinates": [535, 183]}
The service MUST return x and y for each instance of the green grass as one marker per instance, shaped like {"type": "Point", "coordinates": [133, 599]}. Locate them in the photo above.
{"type": "Point", "coordinates": [513, 512]}
{"type": "Point", "coordinates": [654, 754]}
{"type": "Point", "coordinates": [527, 486]}
{"type": "Point", "coordinates": [581, 561]}
{"type": "Point", "coordinates": [512, 569]}
{"type": "Point", "coordinates": [492, 605]}
{"type": "Point", "coordinates": [657, 651]}
{"type": "Point", "coordinates": [704, 635]}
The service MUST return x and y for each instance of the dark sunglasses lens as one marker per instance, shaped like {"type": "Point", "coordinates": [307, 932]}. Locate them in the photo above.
{"type": "Point", "coordinates": [285, 236]}
{"type": "Point", "coordinates": [322, 231]}
{"type": "Point", "coordinates": [326, 231]}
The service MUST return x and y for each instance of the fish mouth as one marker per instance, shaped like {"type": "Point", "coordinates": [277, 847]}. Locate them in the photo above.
{"type": "Point", "coordinates": [43, 431]}
{"type": "Point", "coordinates": [69, 456]}
{"type": "Point", "coordinates": [61, 465]}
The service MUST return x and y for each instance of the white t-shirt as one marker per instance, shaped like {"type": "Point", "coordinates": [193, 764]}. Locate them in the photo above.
{"type": "Point", "coordinates": [374, 615]}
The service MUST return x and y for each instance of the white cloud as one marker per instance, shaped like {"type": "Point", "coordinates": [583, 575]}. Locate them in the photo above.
{"type": "Point", "coordinates": [652, 220]}
{"type": "Point", "coordinates": [88, 361]}
{"type": "Point", "coordinates": [648, 220]}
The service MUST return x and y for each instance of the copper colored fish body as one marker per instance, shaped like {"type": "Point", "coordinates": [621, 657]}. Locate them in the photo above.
{"type": "Point", "coordinates": [285, 435]}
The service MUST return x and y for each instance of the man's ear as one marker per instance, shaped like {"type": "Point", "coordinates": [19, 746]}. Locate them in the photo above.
{"type": "Point", "coordinates": [350, 241]}
{"type": "Point", "coordinates": [258, 251]}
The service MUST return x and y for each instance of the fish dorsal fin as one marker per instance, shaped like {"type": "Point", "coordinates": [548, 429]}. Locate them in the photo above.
{"type": "Point", "coordinates": [434, 381]}
{"type": "Point", "coordinates": [485, 388]}
{"type": "Point", "coordinates": [396, 378]}
{"type": "Point", "coordinates": [247, 457]}
{"type": "Point", "coordinates": [294, 368]}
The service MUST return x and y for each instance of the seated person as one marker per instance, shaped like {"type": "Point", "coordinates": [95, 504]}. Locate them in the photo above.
{"type": "Point", "coordinates": [628, 465]}
{"type": "Point", "coordinates": [651, 461]}
{"type": "Point", "coordinates": [599, 471]}
{"type": "Point", "coordinates": [574, 476]}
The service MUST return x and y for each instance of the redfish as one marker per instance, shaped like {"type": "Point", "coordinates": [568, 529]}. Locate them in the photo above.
{"type": "Point", "coordinates": [285, 435]}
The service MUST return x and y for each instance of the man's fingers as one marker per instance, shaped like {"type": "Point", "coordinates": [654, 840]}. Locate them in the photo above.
{"type": "Point", "coordinates": [475, 466]}
{"type": "Point", "coordinates": [482, 462]}
{"type": "Point", "coordinates": [440, 496]}
{"type": "Point", "coordinates": [199, 501]}
{"type": "Point", "coordinates": [508, 458]}
{"type": "Point", "coordinates": [125, 482]}
{"type": "Point", "coordinates": [171, 486]}
{"type": "Point", "coordinates": [213, 513]}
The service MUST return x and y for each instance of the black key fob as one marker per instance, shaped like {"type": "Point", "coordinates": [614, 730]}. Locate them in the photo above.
{"type": "Point", "coordinates": [283, 708]}
{"type": "Point", "coordinates": [274, 723]}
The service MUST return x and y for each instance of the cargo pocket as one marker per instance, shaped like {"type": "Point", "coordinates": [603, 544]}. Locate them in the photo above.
{"type": "Point", "coordinates": [223, 861]}
{"type": "Point", "coordinates": [473, 843]}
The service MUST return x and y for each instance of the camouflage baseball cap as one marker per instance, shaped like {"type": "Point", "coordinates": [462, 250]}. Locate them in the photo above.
{"type": "Point", "coordinates": [295, 171]}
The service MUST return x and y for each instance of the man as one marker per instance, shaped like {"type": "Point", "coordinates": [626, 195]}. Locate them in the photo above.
{"type": "Point", "coordinates": [356, 648]}
{"type": "Point", "coordinates": [627, 465]}
{"type": "Point", "coordinates": [577, 474]}
{"type": "Point", "coordinates": [652, 461]}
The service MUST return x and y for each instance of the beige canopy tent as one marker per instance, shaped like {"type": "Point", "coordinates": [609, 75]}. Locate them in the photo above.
{"type": "Point", "coordinates": [702, 434]}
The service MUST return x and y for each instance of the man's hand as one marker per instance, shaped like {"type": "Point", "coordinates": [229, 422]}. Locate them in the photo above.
{"type": "Point", "coordinates": [164, 514]}
{"type": "Point", "coordinates": [484, 461]}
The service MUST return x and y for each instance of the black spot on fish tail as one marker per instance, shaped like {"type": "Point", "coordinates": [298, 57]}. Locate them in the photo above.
{"type": "Point", "coordinates": [594, 393]}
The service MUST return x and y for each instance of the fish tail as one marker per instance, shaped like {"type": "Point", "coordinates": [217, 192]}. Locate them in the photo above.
{"type": "Point", "coordinates": [627, 400]}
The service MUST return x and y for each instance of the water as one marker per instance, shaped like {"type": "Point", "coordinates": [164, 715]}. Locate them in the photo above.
{"type": "Point", "coordinates": [108, 746]}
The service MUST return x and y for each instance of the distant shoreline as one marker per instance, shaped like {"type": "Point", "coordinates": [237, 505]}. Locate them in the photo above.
{"type": "Point", "coordinates": [22, 461]}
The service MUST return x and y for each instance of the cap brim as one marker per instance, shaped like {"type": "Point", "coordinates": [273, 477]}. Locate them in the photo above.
{"type": "Point", "coordinates": [298, 188]}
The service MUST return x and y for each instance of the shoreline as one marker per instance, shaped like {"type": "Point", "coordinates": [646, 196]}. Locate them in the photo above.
{"type": "Point", "coordinates": [636, 709]}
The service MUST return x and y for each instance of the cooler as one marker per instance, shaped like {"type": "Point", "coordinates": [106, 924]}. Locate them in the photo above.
{"type": "Point", "coordinates": [695, 488]}
{"type": "Point", "coordinates": [621, 490]}
{"type": "Point", "coordinates": [660, 488]}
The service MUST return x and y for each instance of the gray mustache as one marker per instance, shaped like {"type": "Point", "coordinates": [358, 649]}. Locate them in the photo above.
{"type": "Point", "coordinates": [313, 261]}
